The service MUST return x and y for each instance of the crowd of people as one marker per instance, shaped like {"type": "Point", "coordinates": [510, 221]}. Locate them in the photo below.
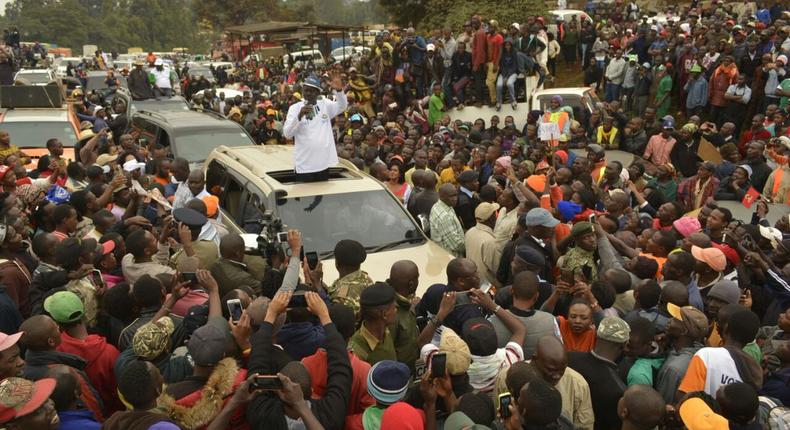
{"type": "Point", "coordinates": [583, 293]}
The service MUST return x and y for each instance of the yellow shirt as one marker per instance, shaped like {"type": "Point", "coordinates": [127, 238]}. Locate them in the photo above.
{"type": "Point", "coordinates": [448, 176]}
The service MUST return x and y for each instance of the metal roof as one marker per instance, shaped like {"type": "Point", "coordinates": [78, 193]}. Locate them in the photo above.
{"type": "Point", "coordinates": [35, 115]}
{"type": "Point", "coordinates": [281, 27]}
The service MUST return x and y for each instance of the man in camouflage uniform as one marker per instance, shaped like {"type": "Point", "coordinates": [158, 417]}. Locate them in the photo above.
{"type": "Point", "coordinates": [349, 256]}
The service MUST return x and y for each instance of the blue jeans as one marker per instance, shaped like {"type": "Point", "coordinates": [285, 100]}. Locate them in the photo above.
{"type": "Point", "coordinates": [612, 92]}
{"type": "Point", "coordinates": [511, 87]}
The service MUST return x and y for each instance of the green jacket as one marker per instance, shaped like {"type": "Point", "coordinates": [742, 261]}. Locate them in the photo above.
{"type": "Point", "coordinates": [405, 332]}
{"type": "Point", "coordinates": [230, 275]}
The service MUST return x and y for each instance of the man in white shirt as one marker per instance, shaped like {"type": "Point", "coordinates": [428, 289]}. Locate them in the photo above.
{"type": "Point", "coordinates": [309, 124]}
{"type": "Point", "coordinates": [162, 84]}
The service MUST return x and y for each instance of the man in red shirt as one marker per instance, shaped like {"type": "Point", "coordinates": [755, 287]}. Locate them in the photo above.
{"type": "Point", "coordinates": [479, 45]}
{"type": "Point", "coordinates": [494, 51]}
{"type": "Point", "coordinates": [756, 132]}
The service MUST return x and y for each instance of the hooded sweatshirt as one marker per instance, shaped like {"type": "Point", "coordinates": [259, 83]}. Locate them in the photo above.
{"type": "Point", "coordinates": [139, 420]}
{"type": "Point", "coordinates": [100, 357]}
{"type": "Point", "coordinates": [301, 339]}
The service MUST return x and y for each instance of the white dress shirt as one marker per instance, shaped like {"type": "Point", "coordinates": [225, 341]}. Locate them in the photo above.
{"type": "Point", "coordinates": [314, 144]}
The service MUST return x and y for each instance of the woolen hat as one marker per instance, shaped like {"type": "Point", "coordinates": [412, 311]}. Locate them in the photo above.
{"type": "Point", "coordinates": [726, 291]}
{"type": "Point", "coordinates": [388, 381]}
{"type": "Point", "coordinates": [687, 225]}
{"type": "Point", "coordinates": [378, 294]}
{"type": "Point", "coordinates": [614, 330]}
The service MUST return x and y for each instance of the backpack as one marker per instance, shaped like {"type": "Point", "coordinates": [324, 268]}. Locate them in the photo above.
{"type": "Point", "coordinates": [772, 415]}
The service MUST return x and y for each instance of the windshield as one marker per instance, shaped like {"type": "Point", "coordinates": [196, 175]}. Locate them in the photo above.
{"type": "Point", "coordinates": [35, 77]}
{"type": "Point", "coordinates": [163, 105]}
{"type": "Point", "coordinates": [196, 145]}
{"type": "Point", "coordinates": [97, 82]}
{"type": "Point", "coordinates": [35, 135]}
{"type": "Point", "coordinates": [201, 71]}
{"type": "Point", "coordinates": [325, 220]}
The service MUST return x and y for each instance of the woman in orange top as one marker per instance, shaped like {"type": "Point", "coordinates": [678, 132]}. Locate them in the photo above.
{"type": "Point", "coordinates": [577, 330]}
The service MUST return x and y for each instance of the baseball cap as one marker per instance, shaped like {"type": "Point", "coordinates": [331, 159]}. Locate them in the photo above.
{"type": "Point", "coordinates": [356, 117]}
{"type": "Point", "coordinates": [484, 210]}
{"type": "Point", "coordinates": [9, 340]}
{"type": "Point", "coordinates": [713, 257]}
{"type": "Point", "coordinates": [693, 319]}
{"type": "Point", "coordinates": [480, 336]}
{"type": "Point", "coordinates": [668, 124]}
{"type": "Point", "coordinates": [207, 343]}
{"type": "Point", "coordinates": [458, 356]}
{"type": "Point", "coordinates": [774, 235]}
{"type": "Point", "coordinates": [152, 339]}
{"type": "Point", "coordinates": [97, 108]}
{"type": "Point", "coordinates": [540, 216]}
{"type": "Point", "coordinates": [614, 330]}
{"type": "Point", "coordinates": [190, 217]}
{"type": "Point", "coordinates": [697, 415]}
{"type": "Point", "coordinates": [132, 165]}
{"type": "Point", "coordinates": [595, 148]}
{"type": "Point", "coordinates": [313, 81]}
{"type": "Point", "coordinates": [65, 306]}
{"type": "Point", "coordinates": [646, 65]}
{"type": "Point", "coordinates": [105, 159]}
{"type": "Point", "coordinates": [158, 62]}
{"type": "Point", "coordinates": [430, 47]}
{"type": "Point", "coordinates": [20, 397]}
{"type": "Point", "coordinates": [530, 255]}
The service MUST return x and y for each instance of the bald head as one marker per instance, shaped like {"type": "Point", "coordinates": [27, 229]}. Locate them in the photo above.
{"type": "Point", "coordinates": [674, 292]}
{"type": "Point", "coordinates": [642, 406]}
{"type": "Point", "coordinates": [448, 194]}
{"type": "Point", "coordinates": [196, 182]}
{"type": "Point", "coordinates": [231, 247]}
{"type": "Point", "coordinates": [550, 359]}
{"type": "Point", "coordinates": [404, 277]}
{"type": "Point", "coordinates": [41, 333]}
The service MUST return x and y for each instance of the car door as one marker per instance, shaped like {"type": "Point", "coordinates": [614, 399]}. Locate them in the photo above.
{"type": "Point", "coordinates": [228, 186]}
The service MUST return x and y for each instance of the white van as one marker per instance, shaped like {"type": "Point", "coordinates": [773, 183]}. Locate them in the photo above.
{"type": "Point", "coordinates": [302, 58]}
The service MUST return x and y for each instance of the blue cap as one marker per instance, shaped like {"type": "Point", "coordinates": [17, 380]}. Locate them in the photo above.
{"type": "Point", "coordinates": [356, 117]}
{"type": "Point", "coordinates": [540, 216]}
{"type": "Point", "coordinates": [388, 381]}
{"type": "Point", "coordinates": [668, 123]}
{"type": "Point", "coordinates": [313, 81]}
{"type": "Point", "coordinates": [58, 195]}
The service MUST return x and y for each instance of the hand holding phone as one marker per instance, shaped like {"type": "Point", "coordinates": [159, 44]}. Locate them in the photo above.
{"type": "Point", "coordinates": [234, 309]}
{"type": "Point", "coordinates": [438, 365]}
{"type": "Point", "coordinates": [505, 399]}
{"type": "Point", "coordinates": [267, 383]}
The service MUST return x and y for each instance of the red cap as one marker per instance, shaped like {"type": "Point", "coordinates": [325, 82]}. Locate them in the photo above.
{"type": "Point", "coordinates": [730, 253]}
{"type": "Point", "coordinates": [9, 340]}
{"type": "Point", "coordinates": [20, 397]}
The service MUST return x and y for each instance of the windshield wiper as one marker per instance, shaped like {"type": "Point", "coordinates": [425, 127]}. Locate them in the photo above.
{"type": "Point", "coordinates": [393, 244]}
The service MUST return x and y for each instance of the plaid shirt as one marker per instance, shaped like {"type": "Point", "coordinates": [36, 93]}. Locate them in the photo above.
{"type": "Point", "coordinates": [446, 229]}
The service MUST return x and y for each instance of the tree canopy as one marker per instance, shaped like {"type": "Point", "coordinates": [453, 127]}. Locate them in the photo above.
{"type": "Point", "coordinates": [432, 14]}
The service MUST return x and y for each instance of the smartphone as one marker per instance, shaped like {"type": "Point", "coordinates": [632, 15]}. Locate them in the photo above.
{"type": "Point", "coordinates": [297, 300]}
{"type": "Point", "coordinates": [97, 278]}
{"type": "Point", "coordinates": [485, 287]}
{"type": "Point", "coordinates": [312, 259]}
{"type": "Point", "coordinates": [462, 298]}
{"type": "Point", "coordinates": [234, 309]}
{"type": "Point", "coordinates": [591, 218]}
{"type": "Point", "coordinates": [266, 382]}
{"type": "Point", "coordinates": [438, 365]}
{"type": "Point", "coordinates": [190, 277]}
{"type": "Point", "coordinates": [566, 275]}
{"type": "Point", "coordinates": [282, 237]}
{"type": "Point", "coordinates": [505, 399]}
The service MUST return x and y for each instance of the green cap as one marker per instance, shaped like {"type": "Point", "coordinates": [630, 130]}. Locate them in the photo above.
{"type": "Point", "coordinates": [696, 69]}
{"type": "Point", "coordinates": [64, 307]}
{"type": "Point", "coordinates": [633, 57]}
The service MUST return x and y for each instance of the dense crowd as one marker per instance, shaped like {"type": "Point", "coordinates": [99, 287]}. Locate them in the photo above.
{"type": "Point", "coordinates": [583, 293]}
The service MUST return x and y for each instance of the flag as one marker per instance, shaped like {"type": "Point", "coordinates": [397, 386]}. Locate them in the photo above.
{"type": "Point", "coordinates": [750, 197]}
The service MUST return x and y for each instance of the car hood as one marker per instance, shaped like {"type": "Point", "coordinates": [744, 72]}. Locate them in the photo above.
{"type": "Point", "coordinates": [429, 257]}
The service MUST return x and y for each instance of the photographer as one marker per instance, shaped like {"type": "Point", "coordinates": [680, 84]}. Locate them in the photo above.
{"type": "Point", "coordinates": [276, 408]}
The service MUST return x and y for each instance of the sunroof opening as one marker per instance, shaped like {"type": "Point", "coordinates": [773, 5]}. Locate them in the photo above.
{"type": "Point", "coordinates": [290, 177]}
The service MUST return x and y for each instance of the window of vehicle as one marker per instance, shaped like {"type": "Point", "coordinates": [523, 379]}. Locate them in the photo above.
{"type": "Point", "coordinates": [574, 101]}
{"type": "Point", "coordinates": [144, 128]}
{"type": "Point", "coordinates": [325, 220]}
{"type": "Point", "coordinates": [230, 197]}
{"type": "Point", "coordinates": [35, 135]}
{"type": "Point", "coordinates": [196, 144]}
{"type": "Point", "coordinates": [252, 212]}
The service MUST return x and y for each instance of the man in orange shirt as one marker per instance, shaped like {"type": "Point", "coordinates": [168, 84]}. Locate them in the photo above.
{"type": "Point", "coordinates": [596, 154]}
{"type": "Point", "coordinates": [494, 48]}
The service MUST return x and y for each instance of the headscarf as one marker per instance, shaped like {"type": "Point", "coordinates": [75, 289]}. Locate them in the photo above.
{"type": "Point", "coordinates": [563, 156]}
{"type": "Point", "coordinates": [690, 128]}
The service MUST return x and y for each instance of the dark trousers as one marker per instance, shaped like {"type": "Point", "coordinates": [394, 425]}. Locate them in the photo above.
{"type": "Point", "coordinates": [323, 175]}
{"type": "Point", "coordinates": [480, 83]}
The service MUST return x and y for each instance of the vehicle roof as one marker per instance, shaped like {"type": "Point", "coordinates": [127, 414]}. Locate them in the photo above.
{"type": "Point", "coordinates": [570, 90]}
{"type": "Point", "coordinates": [565, 11]}
{"type": "Point", "coordinates": [36, 114]}
{"type": "Point", "coordinates": [260, 160]}
{"type": "Point", "coordinates": [189, 119]}
{"type": "Point", "coordinates": [32, 71]}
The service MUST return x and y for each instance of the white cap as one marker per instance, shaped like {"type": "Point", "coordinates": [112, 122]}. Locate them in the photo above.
{"type": "Point", "coordinates": [516, 25]}
{"type": "Point", "coordinates": [430, 47]}
{"type": "Point", "coordinates": [158, 62]}
{"type": "Point", "coordinates": [97, 108]}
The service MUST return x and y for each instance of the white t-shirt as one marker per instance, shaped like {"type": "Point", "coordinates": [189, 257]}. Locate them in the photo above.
{"type": "Point", "coordinates": [161, 78]}
{"type": "Point", "coordinates": [484, 370]}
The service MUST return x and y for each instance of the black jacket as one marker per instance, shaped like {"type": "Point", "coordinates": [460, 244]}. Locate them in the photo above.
{"type": "Point", "coordinates": [465, 209]}
{"type": "Point", "coordinates": [504, 274]}
{"type": "Point", "coordinates": [266, 410]}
